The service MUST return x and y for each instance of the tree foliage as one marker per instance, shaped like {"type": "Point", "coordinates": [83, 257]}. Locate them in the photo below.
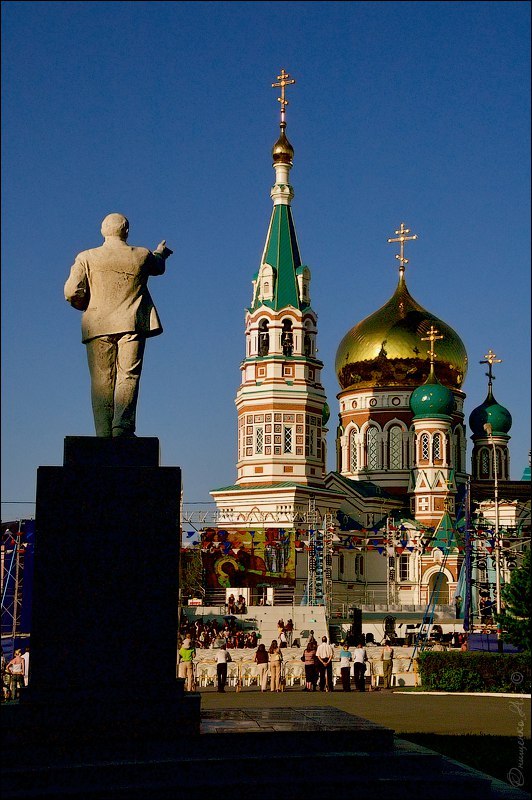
{"type": "Point", "coordinates": [517, 597]}
{"type": "Point", "coordinates": [191, 573]}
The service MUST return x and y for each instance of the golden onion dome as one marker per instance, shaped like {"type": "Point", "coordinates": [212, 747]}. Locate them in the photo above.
{"type": "Point", "coordinates": [385, 349]}
{"type": "Point", "coordinates": [282, 151]}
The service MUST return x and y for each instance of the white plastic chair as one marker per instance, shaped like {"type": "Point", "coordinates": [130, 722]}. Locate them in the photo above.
{"type": "Point", "coordinates": [375, 672]}
{"type": "Point", "coordinates": [337, 675]}
{"type": "Point", "coordinates": [249, 673]}
{"type": "Point", "coordinates": [292, 672]}
{"type": "Point", "coordinates": [399, 671]}
{"type": "Point", "coordinates": [233, 673]}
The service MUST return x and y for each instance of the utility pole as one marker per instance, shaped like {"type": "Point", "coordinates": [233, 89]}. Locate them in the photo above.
{"type": "Point", "coordinates": [489, 430]}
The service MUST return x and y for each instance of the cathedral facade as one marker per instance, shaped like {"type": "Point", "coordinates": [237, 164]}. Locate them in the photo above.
{"type": "Point", "coordinates": [387, 529]}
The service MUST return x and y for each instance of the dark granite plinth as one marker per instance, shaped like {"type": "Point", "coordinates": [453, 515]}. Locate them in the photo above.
{"type": "Point", "coordinates": [105, 599]}
{"type": "Point", "coordinates": [120, 452]}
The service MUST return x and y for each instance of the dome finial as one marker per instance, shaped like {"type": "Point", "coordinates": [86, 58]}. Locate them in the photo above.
{"type": "Point", "coordinates": [283, 80]}
{"type": "Point", "coordinates": [490, 359]}
{"type": "Point", "coordinates": [402, 238]}
{"type": "Point", "coordinates": [282, 151]}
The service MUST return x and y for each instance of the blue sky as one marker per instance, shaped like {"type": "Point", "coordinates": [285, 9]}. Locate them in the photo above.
{"type": "Point", "coordinates": [164, 111]}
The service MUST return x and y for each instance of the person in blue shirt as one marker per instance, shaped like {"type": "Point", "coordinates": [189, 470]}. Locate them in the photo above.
{"type": "Point", "coordinates": [345, 666]}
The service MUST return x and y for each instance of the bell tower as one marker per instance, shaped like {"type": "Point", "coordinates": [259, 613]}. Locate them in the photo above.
{"type": "Point", "coordinates": [281, 404]}
{"type": "Point", "coordinates": [433, 475]}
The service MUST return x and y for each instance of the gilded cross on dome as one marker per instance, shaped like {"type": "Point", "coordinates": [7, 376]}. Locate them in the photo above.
{"type": "Point", "coordinates": [432, 337]}
{"type": "Point", "coordinates": [283, 80]}
{"type": "Point", "coordinates": [401, 237]}
{"type": "Point", "coordinates": [490, 360]}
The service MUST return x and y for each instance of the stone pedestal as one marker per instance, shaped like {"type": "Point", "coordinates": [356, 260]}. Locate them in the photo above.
{"type": "Point", "coordinates": [105, 599]}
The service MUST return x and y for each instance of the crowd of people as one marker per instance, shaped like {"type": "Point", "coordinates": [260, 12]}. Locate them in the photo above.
{"type": "Point", "coordinates": [317, 658]}
{"type": "Point", "coordinates": [212, 634]}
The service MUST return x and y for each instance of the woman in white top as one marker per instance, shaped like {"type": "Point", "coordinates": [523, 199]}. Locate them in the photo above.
{"type": "Point", "coordinates": [276, 660]}
{"type": "Point", "coordinates": [15, 669]}
{"type": "Point", "coordinates": [387, 665]}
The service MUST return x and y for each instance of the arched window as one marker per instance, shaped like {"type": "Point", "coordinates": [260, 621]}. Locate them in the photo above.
{"type": "Point", "coordinates": [353, 455]}
{"type": "Point", "coordinates": [372, 448]}
{"type": "Point", "coordinates": [436, 447]}
{"type": "Point", "coordinates": [395, 447]}
{"type": "Point", "coordinates": [458, 451]}
{"type": "Point", "coordinates": [307, 343]}
{"type": "Point", "coordinates": [287, 338]}
{"type": "Point", "coordinates": [264, 338]}
{"type": "Point", "coordinates": [424, 447]}
{"type": "Point", "coordinates": [498, 462]}
{"type": "Point", "coordinates": [484, 462]}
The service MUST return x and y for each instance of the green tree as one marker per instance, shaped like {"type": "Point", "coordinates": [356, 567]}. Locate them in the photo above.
{"type": "Point", "coordinates": [191, 573]}
{"type": "Point", "coordinates": [517, 596]}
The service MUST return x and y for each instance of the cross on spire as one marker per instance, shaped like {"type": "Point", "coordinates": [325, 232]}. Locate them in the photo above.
{"type": "Point", "coordinates": [283, 80]}
{"type": "Point", "coordinates": [432, 337]}
{"type": "Point", "coordinates": [490, 360]}
{"type": "Point", "coordinates": [401, 237]}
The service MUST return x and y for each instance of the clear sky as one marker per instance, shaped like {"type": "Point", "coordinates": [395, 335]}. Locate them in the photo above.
{"type": "Point", "coordinates": [164, 111]}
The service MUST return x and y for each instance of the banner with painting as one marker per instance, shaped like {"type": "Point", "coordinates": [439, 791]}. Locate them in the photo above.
{"type": "Point", "coordinates": [249, 558]}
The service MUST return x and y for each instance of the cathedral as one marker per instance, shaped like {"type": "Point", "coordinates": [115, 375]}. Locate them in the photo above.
{"type": "Point", "coordinates": [402, 527]}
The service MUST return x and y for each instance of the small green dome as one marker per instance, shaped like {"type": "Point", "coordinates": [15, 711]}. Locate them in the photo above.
{"type": "Point", "coordinates": [325, 414]}
{"type": "Point", "coordinates": [432, 399]}
{"type": "Point", "coordinates": [490, 411]}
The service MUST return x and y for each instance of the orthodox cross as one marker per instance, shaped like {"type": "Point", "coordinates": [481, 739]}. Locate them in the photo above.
{"type": "Point", "coordinates": [402, 238]}
{"type": "Point", "coordinates": [432, 337]}
{"type": "Point", "coordinates": [490, 360]}
{"type": "Point", "coordinates": [283, 80]}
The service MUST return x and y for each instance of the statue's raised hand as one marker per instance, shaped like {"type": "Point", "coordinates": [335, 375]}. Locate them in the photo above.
{"type": "Point", "coordinates": [163, 250]}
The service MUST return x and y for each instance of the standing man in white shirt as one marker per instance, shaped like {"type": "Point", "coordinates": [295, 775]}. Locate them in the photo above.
{"type": "Point", "coordinates": [325, 655]}
{"type": "Point", "coordinates": [360, 658]}
{"type": "Point", "coordinates": [222, 659]}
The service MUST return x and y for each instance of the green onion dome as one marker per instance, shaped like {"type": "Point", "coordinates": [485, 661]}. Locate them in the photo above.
{"type": "Point", "coordinates": [385, 350]}
{"type": "Point", "coordinates": [490, 411]}
{"type": "Point", "coordinates": [432, 399]}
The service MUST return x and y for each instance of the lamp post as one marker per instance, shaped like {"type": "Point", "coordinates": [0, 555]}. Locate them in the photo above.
{"type": "Point", "coordinates": [489, 430]}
